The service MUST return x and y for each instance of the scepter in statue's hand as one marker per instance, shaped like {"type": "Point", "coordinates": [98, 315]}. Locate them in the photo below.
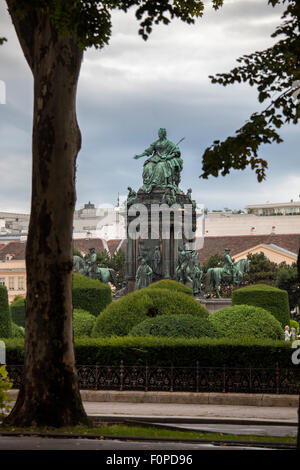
{"type": "Point", "coordinates": [139, 156]}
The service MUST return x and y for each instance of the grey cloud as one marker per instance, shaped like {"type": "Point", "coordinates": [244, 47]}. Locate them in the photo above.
{"type": "Point", "coordinates": [131, 88]}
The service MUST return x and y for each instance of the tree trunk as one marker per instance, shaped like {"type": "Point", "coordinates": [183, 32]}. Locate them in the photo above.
{"type": "Point", "coordinates": [50, 394]}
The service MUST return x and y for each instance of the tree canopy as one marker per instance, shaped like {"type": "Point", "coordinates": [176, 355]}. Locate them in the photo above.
{"type": "Point", "coordinates": [275, 72]}
{"type": "Point", "coordinates": [90, 21]}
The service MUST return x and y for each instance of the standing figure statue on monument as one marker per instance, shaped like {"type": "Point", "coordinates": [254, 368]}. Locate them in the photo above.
{"type": "Point", "coordinates": [162, 169]}
{"type": "Point", "coordinates": [188, 270]}
{"type": "Point", "coordinates": [156, 261]}
{"type": "Point", "coordinates": [143, 275]}
{"type": "Point", "coordinates": [131, 198]}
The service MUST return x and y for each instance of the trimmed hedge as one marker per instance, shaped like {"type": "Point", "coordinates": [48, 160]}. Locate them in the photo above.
{"type": "Point", "coordinates": [171, 285]}
{"type": "Point", "coordinates": [165, 351]}
{"type": "Point", "coordinates": [83, 323]}
{"type": "Point", "coordinates": [120, 316]}
{"type": "Point", "coordinates": [270, 298]}
{"type": "Point", "coordinates": [17, 309]}
{"type": "Point", "coordinates": [90, 294]}
{"type": "Point", "coordinates": [294, 324]}
{"type": "Point", "coordinates": [246, 320]}
{"type": "Point", "coordinates": [175, 326]}
{"type": "Point", "coordinates": [5, 316]}
{"type": "Point", "coordinates": [17, 331]}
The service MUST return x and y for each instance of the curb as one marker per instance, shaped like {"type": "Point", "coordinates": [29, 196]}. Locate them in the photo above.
{"type": "Point", "coordinates": [200, 398]}
{"type": "Point", "coordinates": [150, 420]}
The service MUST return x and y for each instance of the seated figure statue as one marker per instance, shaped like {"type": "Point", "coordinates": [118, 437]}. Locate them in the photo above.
{"type": "Point", "coordinates": [163, 168]}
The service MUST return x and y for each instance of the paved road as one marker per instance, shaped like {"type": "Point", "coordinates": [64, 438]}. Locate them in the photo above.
{"type": "Point", "coordinates": [37, 443]}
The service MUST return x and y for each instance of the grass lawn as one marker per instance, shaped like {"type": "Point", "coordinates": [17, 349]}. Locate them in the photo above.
{"type": "Point", "coordinates": [106, 430]}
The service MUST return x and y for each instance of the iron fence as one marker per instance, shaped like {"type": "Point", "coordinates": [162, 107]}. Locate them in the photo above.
{"type": "Point", "coordinates": [181, 379]}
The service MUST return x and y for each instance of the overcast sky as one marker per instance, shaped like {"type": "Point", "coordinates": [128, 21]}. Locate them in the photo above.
{"type": "Point", "coordinates": [131, 88]}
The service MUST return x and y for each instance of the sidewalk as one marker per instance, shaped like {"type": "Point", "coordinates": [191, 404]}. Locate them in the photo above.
{"type": "Point", "coordinates": [188, 407]}
{"type": "Point", "coordinates": [169, 412]}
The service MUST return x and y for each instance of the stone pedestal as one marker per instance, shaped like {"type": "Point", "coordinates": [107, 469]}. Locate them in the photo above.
{"type": "Point", "coordinates": [163, 227]}
{"type": "Point", "coordinates": [213, 305]}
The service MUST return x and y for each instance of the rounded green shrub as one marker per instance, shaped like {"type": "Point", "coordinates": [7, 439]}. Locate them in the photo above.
{"type": "Point", "coordinates": [270, 298]}
{"type": "Point", "coordinates": [17, 309]}
{"type": "Point", "coordinates": [90, 294]}
{"type": "Point", "coordinates": [294, 324]}
{"type": "Point", "coordinates": [83, 323]}
{"type": "Point", "coordinates": [17, 331]}
{"type": "Point", "coordinates": [174, 326]}
{"type": "Point", "coordinates": [171, 285]}
{"type": "Point", "coordinates": [120, 316]}
{"type": "Point", "coordinates": [246, 321]}
{"type": "Point", "coordinates": [167, 302]}
{"type": "Point", "coordinates": [5, 316]}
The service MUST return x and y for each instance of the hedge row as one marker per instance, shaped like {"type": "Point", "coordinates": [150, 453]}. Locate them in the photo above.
{"type": "Point", "coordinates": [5, 315]}
{"type": "Point", "coordinates": [17, 309]}
{"type": "Point", "coordinates": [175, 326]}
{"type": "Point", "coordinates": [164, 351]}
{"type": "Point", "coordinates": [83, 323]}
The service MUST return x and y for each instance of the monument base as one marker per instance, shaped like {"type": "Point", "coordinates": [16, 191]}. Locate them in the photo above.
{"type": "Point", "coordinates": [212, 305]}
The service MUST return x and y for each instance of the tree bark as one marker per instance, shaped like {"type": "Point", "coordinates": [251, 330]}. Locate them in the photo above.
{"type": "Point", "coordinates": [50, 394]}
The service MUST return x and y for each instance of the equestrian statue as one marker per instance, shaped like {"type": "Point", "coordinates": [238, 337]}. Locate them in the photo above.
{"type": "Point", "coordinates": [230, 273]}
{"type": "Point", "coordinates": [88, 266]}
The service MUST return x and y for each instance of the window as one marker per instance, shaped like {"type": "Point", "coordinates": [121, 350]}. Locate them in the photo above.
{"type": "Point", "coordinates": [2, 281]}
{"type": "Point", "coordinates": [11, 283]}
{"type": "Point", "coordinates": [21, 283]}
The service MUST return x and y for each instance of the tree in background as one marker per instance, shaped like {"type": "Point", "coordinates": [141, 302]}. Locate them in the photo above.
{"type": "Point", "coordinates": [287, 279]}
{"type": "Point", "coordinates": [215, 261]}
{"type": "Point", "coordinates": [53, 35]}
{"type": "Point", "coordinates": [76, 252]}
{"type": "Point", "coordinates": [262, 270]}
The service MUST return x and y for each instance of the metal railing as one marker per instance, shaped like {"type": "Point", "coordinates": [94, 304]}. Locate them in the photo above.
{"type": "Point", "coordinates": [182, 379]}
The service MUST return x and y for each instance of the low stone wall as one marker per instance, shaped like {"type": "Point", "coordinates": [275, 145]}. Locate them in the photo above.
{"type": "Point", "coordinates": [213, 305]}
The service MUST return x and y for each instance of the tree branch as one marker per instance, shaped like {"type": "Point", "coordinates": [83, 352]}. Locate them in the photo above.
{"type": "Point", "coordinates": [24, 24]}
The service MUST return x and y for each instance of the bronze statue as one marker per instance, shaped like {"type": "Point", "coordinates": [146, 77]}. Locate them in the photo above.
{"type": "Point", "coordinates": [192, 201]}
{"type": "Point", "coordinates": [132, 196]}
{"type": "Point", "coordinates": [188, 270]}
{"type": "Point", "coordinates": [156, 261]}
{"type": "Point", "coordinates": [91, 263]}
{"type": "Point", "coordinates": [230, 273]}
{"type": "Point", "coordinates": [163, 167]}
{"type": "Point", "coordinates": [89, 267]}
{"type": "Point", "coordinates": [143, 275]}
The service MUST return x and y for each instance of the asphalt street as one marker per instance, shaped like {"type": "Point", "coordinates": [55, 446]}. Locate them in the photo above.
{"type": "Point", "coordinates": [38, 443]}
